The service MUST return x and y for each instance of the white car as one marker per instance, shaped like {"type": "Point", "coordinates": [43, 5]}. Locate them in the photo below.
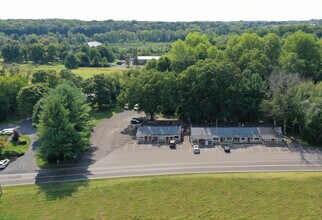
{"type": "Point", "coordinates": [4, 163]}
{"type": "Point", "coordinates": [7, 131]}
{"type": "Point", "coordinates": [136, 107]}
{"type": "Point", "coordinates": [196, 149]}
{"type": "Point", "coordinates": [127, 106]}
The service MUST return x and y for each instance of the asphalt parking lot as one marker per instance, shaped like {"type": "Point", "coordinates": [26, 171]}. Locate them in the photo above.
{"type": "Point", "coordinates": [115, 153]}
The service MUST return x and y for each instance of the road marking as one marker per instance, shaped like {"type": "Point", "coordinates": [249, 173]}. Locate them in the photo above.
{"type": "Point", "coordinates": [259, 148]}
{"type": "Point", "coordinates": [88, 173]}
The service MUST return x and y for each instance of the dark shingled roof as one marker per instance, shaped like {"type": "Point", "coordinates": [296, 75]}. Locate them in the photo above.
{"type": "Point", "coordinates": [158, 130]}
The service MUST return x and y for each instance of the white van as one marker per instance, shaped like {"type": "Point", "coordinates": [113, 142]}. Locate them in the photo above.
{"type": "Point", "coordinates": [7, 131]}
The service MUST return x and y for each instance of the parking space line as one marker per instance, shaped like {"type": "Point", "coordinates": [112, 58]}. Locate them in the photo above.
{"type": "Point", "coordinates": [259, 148]}
{"type": "Point", "coordinates": [278, 148]}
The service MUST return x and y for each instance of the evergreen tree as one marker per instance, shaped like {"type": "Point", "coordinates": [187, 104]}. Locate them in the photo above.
{"type": "Point", "coordinates": [64, 128]}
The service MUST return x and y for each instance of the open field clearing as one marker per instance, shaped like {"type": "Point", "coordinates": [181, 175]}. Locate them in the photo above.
{"type": "Point", "coordinates": [85, 72]}
{"type": "Point", "coordinates": [207, 196]}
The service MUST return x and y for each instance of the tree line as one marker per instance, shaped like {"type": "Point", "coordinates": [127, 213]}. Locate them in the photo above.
{"type": "Point", "coordinates": [90, 28]}
{"type": "Point", "coordinates": [54, 40]}
{"type": "Point", "coordinates": [253, 79]}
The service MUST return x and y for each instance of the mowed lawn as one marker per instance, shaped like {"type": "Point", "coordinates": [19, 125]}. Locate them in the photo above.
{"type": "Point", "coordinates": [205, 196]}
{"type": "Point", "coordinates": [85, 72]}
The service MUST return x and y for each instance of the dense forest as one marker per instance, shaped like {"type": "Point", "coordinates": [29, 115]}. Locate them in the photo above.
{"type": "Point", "coordinates": [64, 41]}
{"type": "Point", "coordinates": [213, 71]}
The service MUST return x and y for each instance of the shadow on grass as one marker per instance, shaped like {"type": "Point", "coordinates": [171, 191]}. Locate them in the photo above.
{"type": "Point", "coordinates": [61, 190]}
{"type": "Point", "coordinates": [61, 181]}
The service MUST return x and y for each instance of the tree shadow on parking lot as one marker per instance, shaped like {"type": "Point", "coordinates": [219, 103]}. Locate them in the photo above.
{"type": "Point", "coordinates": [307, 154]}
{"type": "Point", "coordinates": [130, 130]}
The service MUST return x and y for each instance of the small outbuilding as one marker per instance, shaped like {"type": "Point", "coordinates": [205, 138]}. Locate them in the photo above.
{"type": "Point", "coordinates": [157, 134]}
{"type": "Point", "coordinates": [94, 44]}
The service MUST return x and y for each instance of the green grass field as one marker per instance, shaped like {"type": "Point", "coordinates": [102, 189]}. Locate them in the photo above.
{"type": "Point", "coordinates": [206, 196]}
{"type": "Point", "coordinates": [85, 72]}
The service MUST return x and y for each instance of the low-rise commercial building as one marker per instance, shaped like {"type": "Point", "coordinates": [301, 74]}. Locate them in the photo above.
{"type": "Point", "coordinates": [157, 134]}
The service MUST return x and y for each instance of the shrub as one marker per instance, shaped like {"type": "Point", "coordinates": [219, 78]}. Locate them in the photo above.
{"type": "Point", "coordinates": [24, 142]}
{"type": "Point", "coordinates": [15, 136]}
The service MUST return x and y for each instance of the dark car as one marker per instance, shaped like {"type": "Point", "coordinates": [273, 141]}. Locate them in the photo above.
{"type": "Point", "coordinates": [135, 121]}
{"type": "Point", "coordinates": [226, 148]}
{"type": "Point", "coordinates": [173, 144]}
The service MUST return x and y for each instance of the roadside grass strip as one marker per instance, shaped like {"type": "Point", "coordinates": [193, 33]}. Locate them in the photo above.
{"type": "Point", "coordinates": [282, 195]}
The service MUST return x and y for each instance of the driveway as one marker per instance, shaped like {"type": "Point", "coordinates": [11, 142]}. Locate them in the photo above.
{"type": "Point", "coordinates": [113, 133]}
{"type": "Point", "coordinates": [26, 163]}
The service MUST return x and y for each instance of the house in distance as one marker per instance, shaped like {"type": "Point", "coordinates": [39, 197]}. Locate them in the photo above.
{"type": "Point", "coordinates": [94, 44]}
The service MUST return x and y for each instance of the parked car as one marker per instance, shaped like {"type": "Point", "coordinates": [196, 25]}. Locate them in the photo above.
{"type": "Point", "coordinates": [127, 106]}
{"type": "Point", "coordinates": [136, 107]}
{"type": "Point", "coordinates": [4, 163]}
{"type": "Point", "coordinates": [172, 144]}
{"type": "Point", "coordinates": [196, 149]}
{"type": "Point", "coordinates": [136, 121]}
{"type": "Point", "coordinates": [226, 148]}
{"type": "Point", "coordinates": [7, 131]}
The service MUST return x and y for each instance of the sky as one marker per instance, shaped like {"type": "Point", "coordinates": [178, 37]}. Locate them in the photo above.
{"type": "Point", "coordinates": [164, 10]}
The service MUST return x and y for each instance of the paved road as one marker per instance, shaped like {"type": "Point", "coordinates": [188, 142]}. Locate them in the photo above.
{"type": "Point", "coordinates": [116, 154]}
{"type": "Point", "coordinates": [26, 163]}
{"type": "Point", "coordinates": [84, 173]}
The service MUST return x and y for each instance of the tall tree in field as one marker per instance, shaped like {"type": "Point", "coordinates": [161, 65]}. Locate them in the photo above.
{"type": "Point", "coordinates": [71, 61]}
{"type": "Point", "coordinates": [36, 52]}
{"type": "Point", "coordinates": [64, 129]}
{"type": "Point", "coordinates": [52, 52]}
{"type": "Point", "coordinates": [11, 52]}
